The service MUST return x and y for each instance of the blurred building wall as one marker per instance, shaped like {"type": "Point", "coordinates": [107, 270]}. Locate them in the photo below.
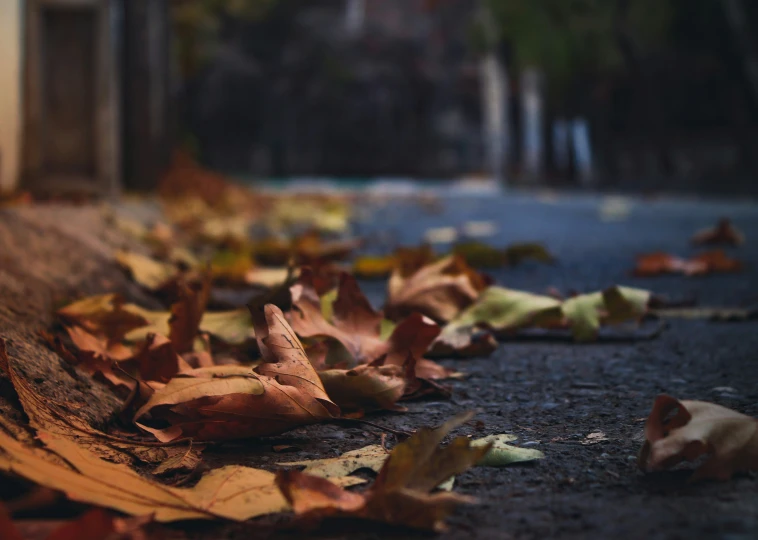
{"type": "Point", "coordinates": [10, 92]}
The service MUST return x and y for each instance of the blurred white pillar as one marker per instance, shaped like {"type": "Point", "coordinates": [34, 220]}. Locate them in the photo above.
{"type": "Point", "coordinates": [355, 16]}
{"type": "Point", "coordinates": [11, 97]}
{"type": "Point", "coordinates": [495, 99]}
{"type": "Point", "coordinates": [532, 109]}
{"type": "Point", "coordinates": [582, 146]}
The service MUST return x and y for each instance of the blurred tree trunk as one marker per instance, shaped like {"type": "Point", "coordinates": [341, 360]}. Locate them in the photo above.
{"type": "Point", "coordinates": [495, 99]}
{"type": "Point", "coordinates": [653, 113]}
{"type": "Point", "coordinates": [146, 89]}
{"type": "Point", "coordinates": [737, 17]}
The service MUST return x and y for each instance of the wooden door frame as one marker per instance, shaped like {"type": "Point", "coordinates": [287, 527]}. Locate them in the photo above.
{"type": "Point", "coordinates": [107, 104]}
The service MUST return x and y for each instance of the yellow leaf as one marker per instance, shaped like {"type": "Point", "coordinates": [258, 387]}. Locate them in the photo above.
{"type": "Point", "coordinates": [148, 272]}
{"type": "Point", "coordinates": [369, 457]}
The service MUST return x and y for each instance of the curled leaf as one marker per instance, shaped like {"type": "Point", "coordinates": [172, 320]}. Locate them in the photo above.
{"type": "Point", "coordinates": [723, 233]}
{"type": "Point", "coordinates": [149, 273]}
{"type": "Point", "coordinates": [231, 402]}
{"type": "Point", "coordinates": [657, 263]}
{"type": "Point", "coordinates": [507, 311]}
{"type": "Point", "coordinates": [439, 290]}
{"type": "Point", "coordinates": [502, 454]}
{"type": "Point", "coordinates": [369, 457]}
{"type": "Point", "coordinates": [698, 428]}
{"type": "Point", "coordinates": [401, 494]}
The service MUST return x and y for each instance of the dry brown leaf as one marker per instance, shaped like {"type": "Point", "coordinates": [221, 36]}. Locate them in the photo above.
{"type": "Point", "coordinates": [157, 360]}
{"type": "Point", "coordinates": [367, 387]}
{"type": "Point", "coordinates": [105, 315]}
{"type": "Point", "coordinates": [657, 263]}
{"type": "Point", "coordinates": [187, 313]}
{"type": "Point", "coordinates": [307, 249]}
{"type": "Point", "coordinates": [724, 233]}
{"type": "Point", "coordinates": [355, 323]}
{"type": "Point", "coordinates": [401, 494]}
{"type": "Point", "coordinates": [357, 326]}
{"type": "Point", "coordinates": [230, 492]}
{"type": "Point", "coordinates": [97, 524]}
{"type": "Point", "coordinates": [95, 355]}
{"type": "Point", "coordinates": [231, 402]}
{"type": "Point", "coordinates": [46, 414]}
{"type": "Point", "coordinates": [699, 428]}
{"type": "Point", "coordinates": [439, 290]}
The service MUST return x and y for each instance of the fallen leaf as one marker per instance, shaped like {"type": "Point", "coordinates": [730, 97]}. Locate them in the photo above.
{"type": "Point", "coordinates": [187, 313]}
{"type": "Point", "coordinates": [507, 311]}
{"type": "Point", "coordinates": [232, 402]}
{"type": "Point", "coordinates": [48, 415]}
{"type": "Point", "coordinates": [97, 524]}
{"type": "Point", "coordinates": [157, 360]}
{"type": "Point", "coordinates": [103, 315]}
{"type": "Point", "coordinates": [518, 253]}
{"type": "Point", "coordinates": [439, 290]}
{"type": "Point", "coordinates": [307, 249]}
{"type": "Point", "coordinates": [678, 431]}
{"type": "Point", "coordinates": [234, 327]}
{"type": "Point", "coordinates": [355, 323]}
{"type": "Point", "coordinates": [401, 493]}
{"type": "Point", "coordinates": [502, 454]}
{"type": "Point", "coordinates": [717, 261]}
{"type": "Point", "coordinates": [723, 233]}
{"type": "Point", "coordinates": [657, 263]}
{"type": "Point", "coordinates": [95, 356]}
{"type": "Point", "coordinates": [367, 387]}
{"type": "Point", "coordinates": [358, 327]}
{"type": "Point", "coordinates": [231, 492]}
{"type": "Point", "coordinates": [710, 313]}
{"type": "Point", "coordinates": [369, 457]}
{"type": "Point", "coordinates": [479, 254]}
{"type": "Point", "coordinates": [149, 273]}
{"type": "Point", "coordinates": [373, 267]}
{"type": "Point", "coordinates": [596, 437]}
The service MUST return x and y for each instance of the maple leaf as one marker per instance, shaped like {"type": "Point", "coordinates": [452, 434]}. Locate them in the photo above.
{"type": "Point", "coordinates": [507, 311]}
{"type": "Point", "coordinates": [358, 327]}
{"type": "Point", "coordinates": [699, 428]}
{"type": "Point", "coordinates": [439, 290]}
{"type": "Point", "coordinates": [401, 494]}
{"type": "Point", "coordinates": [723, 233]}
{"type": "Point", "coordinates": [705, 263]}
{"type": "Point", "coordinates": [230, 402]}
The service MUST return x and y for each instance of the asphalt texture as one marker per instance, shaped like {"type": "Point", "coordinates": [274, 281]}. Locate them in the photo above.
{"type": "Point", "coordinates": [552, 393]}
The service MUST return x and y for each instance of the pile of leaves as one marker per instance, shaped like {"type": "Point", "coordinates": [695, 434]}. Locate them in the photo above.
{"type": "Point", "coordinates": [264, 328]}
